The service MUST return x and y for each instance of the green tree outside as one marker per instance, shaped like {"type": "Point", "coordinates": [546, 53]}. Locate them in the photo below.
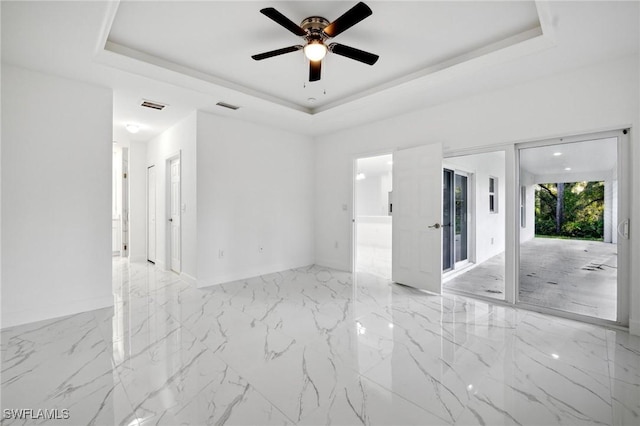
{"type": "Point", "coordinates": [577, 213]}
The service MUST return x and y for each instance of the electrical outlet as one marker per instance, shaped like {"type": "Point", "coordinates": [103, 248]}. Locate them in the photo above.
{"type": "Point", "coordinates": [220, 254]}
{"type": "Point", "coordinates": [260, 249]}
{"type": "Point", "coordinates": [491, 240]}
{"type": "Point", "coordinates": [335, 245]}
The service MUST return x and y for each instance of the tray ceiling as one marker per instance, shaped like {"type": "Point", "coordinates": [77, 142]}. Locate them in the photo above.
{"type": "Point", "coordinates": [214, 41]}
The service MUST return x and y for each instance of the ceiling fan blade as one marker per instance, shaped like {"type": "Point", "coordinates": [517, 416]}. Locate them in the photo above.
{"type": "Point", "coordinates": [353, 53]}
{"type": "Point", "coordinates": [351, 17]}
{"type": "Point", "coordinates": [272, 53]}
{"type": "Point", "coordinates": [279, 18]}
{"type": "Point", "coordinates": [315, 68]}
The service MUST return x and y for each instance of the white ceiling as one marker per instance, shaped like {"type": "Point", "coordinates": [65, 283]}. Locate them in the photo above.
{"type": "Point", "coordinates": [199, 53]}
{"type": "Point", "coordinates": [599, 155]}
{"type": "Point", "coordinates": [221, 37]}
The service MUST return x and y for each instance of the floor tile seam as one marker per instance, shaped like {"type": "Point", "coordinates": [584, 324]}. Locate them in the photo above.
{"type": "Point", "coordinates": [584, 369]}
{"type": "Point", "coordinates": [397, 395]}
{"type": "Point", "coordinates": [331, 399]}
{"type": "Point", "coordinates": [310, 345]}
{"type": "Point", "coordinates": [243, 377]}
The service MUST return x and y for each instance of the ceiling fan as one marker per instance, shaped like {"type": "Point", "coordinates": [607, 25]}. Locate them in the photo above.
{"type": "Point", "coordinates": [316, 30]}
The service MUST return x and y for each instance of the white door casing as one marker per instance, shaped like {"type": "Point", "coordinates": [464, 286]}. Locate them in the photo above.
{"type": "Point", "coordinates": [151, 214]}
{"type": "Point", "coordinates": [174, 215]}
{"type": "Point", "coordinates": [417, 210]}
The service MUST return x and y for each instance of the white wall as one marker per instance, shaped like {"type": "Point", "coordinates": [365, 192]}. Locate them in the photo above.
{"type": "Point", "coordinates": [593, 98]}
{"type": "Point", "coordinates": [137, 201]}
{"type": "Point", "coordinates": [56, 196]}
{"type": "Point", "coordinates": [180, 138]}
{"type": "Point", "coordinates": [255, 190]}
{"type": "Point", "coordinates": [488, 240]}
{"type": "Point", "coordinates": [373, 195]}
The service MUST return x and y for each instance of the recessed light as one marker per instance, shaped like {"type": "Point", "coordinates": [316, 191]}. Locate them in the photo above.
{"type": "Point", "coordinates": [567, 168]}
{"type": "Point", "coordinates": [132, 128]}
{"type": "Point", "coordinates": [557, 154]}
{"type": "Point", "coordinates": [312, 100]}
{"type": "Point", "coordinates": [361, 176]}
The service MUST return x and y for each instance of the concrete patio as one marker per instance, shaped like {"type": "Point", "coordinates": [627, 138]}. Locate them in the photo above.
{"type": "Point", "coordinates": [570, 275]}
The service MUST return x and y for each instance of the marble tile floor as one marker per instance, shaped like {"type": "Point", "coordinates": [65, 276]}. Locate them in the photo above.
{"type": "Point", "coordinates": [315, 346]}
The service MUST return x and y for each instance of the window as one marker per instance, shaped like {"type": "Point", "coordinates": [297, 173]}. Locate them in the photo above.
{"type": "Point", "coordinates": [493, 195]}
{"type": "Point", "coordinates": [523, 206]}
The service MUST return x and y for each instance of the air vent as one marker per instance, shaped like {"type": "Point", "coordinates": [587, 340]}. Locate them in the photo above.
{"type": "Point", "coordinates": [152, 105]}
{"type": "Point", "coordinates": [226, 105]}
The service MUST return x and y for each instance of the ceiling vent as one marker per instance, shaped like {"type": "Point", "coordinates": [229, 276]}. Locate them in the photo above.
{"type": "Point", "coordinates": [152, 105]}
{"type": "Point", "coordinates": [226, 105]}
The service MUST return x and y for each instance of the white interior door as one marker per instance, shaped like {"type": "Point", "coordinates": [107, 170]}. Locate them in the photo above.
{"type": "Point", "coordinates": [417, 209]}
{"type": "Point", "coordinates": [151, 214]}
{"type": "Point", "coordinates": [174, 217]}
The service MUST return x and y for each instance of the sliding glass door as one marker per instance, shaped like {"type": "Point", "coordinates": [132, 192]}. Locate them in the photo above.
{"type": "Point", "coordinates": [455, 226]}
{"type": "Point", "coordinates": [573, 229]}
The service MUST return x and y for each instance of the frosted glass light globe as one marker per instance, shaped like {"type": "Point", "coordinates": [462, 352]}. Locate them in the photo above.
{"type": "Point", "coordinates": [315, 51]}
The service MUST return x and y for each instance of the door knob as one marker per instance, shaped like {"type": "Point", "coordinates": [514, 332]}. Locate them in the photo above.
{"type": "Point", "coordinates": [436, 225]}
{"type": "Point", "coordinates": [170, 220]}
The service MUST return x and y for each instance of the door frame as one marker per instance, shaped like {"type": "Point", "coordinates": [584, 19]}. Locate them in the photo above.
{"type": "Point", "coordinates": [624, 212]}
{"type": "Point", "coordinates": [354, 199]}
{"type": "Point", "coordinates": [458, 266]}
{"type": "Point", "coordinates": [509, 223]}
{"type": "Point", "coordinates": [167, 207]}
{"type": "Point", "coordinates": [155, 231]}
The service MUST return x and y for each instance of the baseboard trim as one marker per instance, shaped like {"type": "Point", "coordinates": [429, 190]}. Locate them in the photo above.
{"type": "Point", "coordinates": [249, 273]}
{"type": "Point", "coordinates": [189, 279]}
{"type": "Point", "coordinates": [27, 316]}
{"type": "Point", "coordinates": [333, 265]}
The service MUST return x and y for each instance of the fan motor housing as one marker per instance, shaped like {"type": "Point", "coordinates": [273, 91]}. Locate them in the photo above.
{"type": "Point", "coordinates": [314, 26]}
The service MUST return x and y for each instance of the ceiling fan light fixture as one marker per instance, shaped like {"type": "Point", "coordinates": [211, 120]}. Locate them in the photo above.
{"type": "Point", "coordinates": [315, 50]}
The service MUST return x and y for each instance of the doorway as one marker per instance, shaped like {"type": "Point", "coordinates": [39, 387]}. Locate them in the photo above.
{"type": "Point", "coordinates": [455, 220]}
{"type": "Point", "coordinates": [151, 214]}
{"type": "Point", "coordinates": [120, 201]}
{"type": "Point", "coordinates": [573, 227]}
{"type": "Point", "coordinates": [174, 207]}
{"type": "Point", "coordinates": [474, 224]}
{"type": "Point", "coordinates": [373, 186]}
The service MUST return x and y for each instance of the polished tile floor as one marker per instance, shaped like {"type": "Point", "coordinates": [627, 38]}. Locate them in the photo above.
{"type": "Point", "coordinates": [315, 346]}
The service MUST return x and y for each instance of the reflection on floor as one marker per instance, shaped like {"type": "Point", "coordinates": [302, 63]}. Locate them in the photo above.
{"type": "Point", "coordinates": [311, 346]}
{"type": "Point", "coordinates": [569, 275]}
{"type": "Point", "coordinates": [485, 279]}
{"type": "Point", "coordinates": [375, 260]}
